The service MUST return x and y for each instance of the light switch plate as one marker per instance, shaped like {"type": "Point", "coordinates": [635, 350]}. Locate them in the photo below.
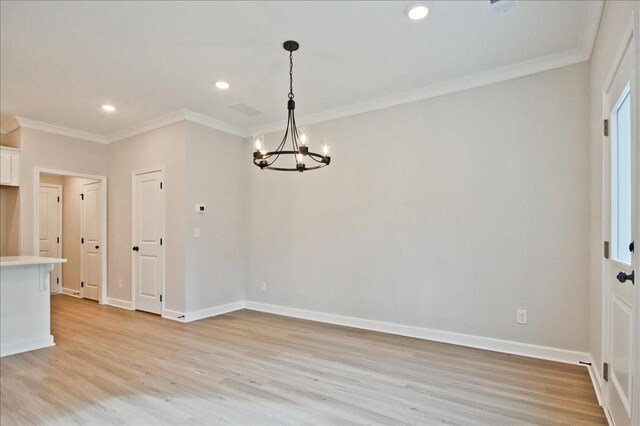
{"type": "Point", "coordinates": [196, 232]}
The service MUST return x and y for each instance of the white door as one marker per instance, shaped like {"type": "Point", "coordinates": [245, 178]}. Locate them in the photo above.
{"type": "Point", "coordinates": [90, 269]}
{"type": "Point", "coordinates": [148, 230]}
{"type": "Point", "coordinates": [620, 211]}
{"type": "Point", "coordinates": [50, 224]}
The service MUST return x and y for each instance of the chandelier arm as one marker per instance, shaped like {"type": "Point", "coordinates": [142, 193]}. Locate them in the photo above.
{"type": "Point", "coordinates": [313, 158]}
{"type": "Point", "coordinates": [294, 131]}
{"type": "Point", "coordinates": [278, 150]}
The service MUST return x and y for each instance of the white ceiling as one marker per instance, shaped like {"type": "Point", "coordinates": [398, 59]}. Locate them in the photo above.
{"type": "Point", "coordinates": [59, 61]}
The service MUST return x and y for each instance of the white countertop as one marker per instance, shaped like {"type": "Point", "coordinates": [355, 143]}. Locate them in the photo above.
{"type": "Point", "coordinates": [28, 260]}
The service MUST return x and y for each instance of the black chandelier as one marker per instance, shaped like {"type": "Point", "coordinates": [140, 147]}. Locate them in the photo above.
{"type": "Point", "coordinates": [300, 151]}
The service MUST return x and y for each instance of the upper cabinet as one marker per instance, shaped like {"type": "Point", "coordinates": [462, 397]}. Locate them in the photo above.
{"type": "Point", "coordinates": [9, 166]}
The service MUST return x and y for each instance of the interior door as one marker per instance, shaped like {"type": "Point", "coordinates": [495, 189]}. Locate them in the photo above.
{"type": "Point", "coordinates": [148, 229]}
{"type": "Point", "coordinates": [91, 267]}
{"type": "Point", "coordinates": [621, 179]}
{"type": "Point", "coordinates": [50, 222]}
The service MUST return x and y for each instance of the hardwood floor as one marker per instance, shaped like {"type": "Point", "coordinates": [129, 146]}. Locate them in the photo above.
{"type": "Point", "coordinates": [113, 366]}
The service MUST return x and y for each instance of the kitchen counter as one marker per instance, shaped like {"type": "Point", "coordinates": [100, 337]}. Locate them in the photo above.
{"type": "Point", "coordinates": [28, 260]}
{"type": "Point", "coordinates": [25, 308]}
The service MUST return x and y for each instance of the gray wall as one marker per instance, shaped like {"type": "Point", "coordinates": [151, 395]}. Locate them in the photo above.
{"type": "Point", "coordinates": [449, 213]}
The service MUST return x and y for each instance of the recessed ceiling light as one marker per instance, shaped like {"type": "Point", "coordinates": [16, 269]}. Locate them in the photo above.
{"type": "Point", "coordinates": [108, 108]}
{"type": "Point", "coordinates": [222, 85]}
{"type": "Point", "coordinates": [416, 11]}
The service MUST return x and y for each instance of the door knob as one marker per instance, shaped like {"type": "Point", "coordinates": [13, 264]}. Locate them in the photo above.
{"type": "Point", "coordinates": [631, 247]}
{"type": "Point", "coordinates": [97, 247]}
{"type": "Point", "coordinates": [136, 248]}
{"type": "Point", "coordinates": [622, 277]}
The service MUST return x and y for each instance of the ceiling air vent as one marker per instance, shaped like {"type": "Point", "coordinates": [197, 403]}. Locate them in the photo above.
{"type": "Point", "coordinates": [501, 6]}
{"type": "Point", "coordinates": [245, 109]}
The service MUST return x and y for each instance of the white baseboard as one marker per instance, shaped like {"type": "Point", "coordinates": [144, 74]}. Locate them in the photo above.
{"type": "Point", "coordinates": [124, 304]}
{"type": "Point", "coordinates": [26, 345]}
{"type": "Point", "coordinates": [479, 342]}
{"type": "Point", "coordinates": [214, 311]}
{"type": "Point", "coordinates": [71, 292]}
{"type": "Point", "coordinates": [598, 386]}
{"type": "Point", "coordinates": [173, 315]}
{"type": "Point", "coordinates": [596, 379]}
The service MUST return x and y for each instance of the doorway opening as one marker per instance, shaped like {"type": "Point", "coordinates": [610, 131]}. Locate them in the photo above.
{"type": "Point", "coordinates": [71, 222]}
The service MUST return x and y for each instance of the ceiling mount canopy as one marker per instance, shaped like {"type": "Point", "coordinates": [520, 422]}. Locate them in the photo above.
{"type": "Point", "coordinates": [290, 160]}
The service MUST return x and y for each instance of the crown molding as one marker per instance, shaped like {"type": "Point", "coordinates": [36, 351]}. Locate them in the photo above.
{"type": "Point", "coordinates": [15, 122]}
{"type": "Point", "coordinates": [176, 117]}
{"type": "Point", "coordinates": [496, 75]}
{"type": "Point", "coordinates": [9, 125]}
{"type": "Point", "coordinates": [205, 120]}
{"type": "Point", "coordinates": [590, 26]}
{"type": "Point", "coordinates": [147, 126]}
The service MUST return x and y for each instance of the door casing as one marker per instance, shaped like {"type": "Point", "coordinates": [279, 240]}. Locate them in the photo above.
{"type": "Point", "coordinates": [103, 218]}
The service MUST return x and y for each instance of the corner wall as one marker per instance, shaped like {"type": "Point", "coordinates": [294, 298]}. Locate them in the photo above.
{"type": "Point", "coordinates": [217, 176]}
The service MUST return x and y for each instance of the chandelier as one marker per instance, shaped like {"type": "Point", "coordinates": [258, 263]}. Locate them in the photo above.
{"type": "Point", "coordinates": [299, 152]}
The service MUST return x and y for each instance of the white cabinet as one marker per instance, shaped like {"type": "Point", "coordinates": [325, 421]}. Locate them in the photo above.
{"type": "Point", "coordinates": [9, 166]}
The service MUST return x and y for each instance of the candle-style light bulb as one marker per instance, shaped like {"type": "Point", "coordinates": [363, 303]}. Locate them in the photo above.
{"type": "Point", "coordinates": [299, 157]}
{"type": "Point", "coordinates": [303, 136]}
{"type": "Point", "coordinates": [325, 149]}
{"type": "Point", "coordinates": [257, 141]}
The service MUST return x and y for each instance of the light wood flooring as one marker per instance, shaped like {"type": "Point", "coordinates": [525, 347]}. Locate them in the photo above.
{"type": "Point", "coordinates": [113, 366]}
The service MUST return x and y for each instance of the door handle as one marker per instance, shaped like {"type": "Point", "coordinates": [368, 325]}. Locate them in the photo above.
{"type": "Point", "coordinates": [622, 277]}
{"type": "Point", "coordinates": [136, 248]}
{"type": "Point", "coordinates": [97, 247]}
{"type": "Point", "coordinates": [631, 247]}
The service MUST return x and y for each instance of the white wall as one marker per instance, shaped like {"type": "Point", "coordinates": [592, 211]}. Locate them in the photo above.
{"type": "Point", "coordinates": [449, 213]}
{"type": "Point", "coordinates": [615, 19]}
{"type": "Point", "coordinates": [217, 173]}
{"type": "Point", "coordinates": [163, 148]}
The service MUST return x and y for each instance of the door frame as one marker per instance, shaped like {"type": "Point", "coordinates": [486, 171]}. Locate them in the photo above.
{"type": "Point", "coordinates": [133, 234]}
{"type": "Point", "coordinates": [630, 35]}
{"type": "Point", "coordinates": [103, 219]}
{"type": "Point", "coordinates": [59, 244]}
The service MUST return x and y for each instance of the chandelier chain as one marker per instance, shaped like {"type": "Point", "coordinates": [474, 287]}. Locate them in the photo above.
{"type": "Point", "coordinates": [290, 75]}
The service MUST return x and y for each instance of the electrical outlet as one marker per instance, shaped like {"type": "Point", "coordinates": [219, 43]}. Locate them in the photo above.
{"type": "Point", "coordinates": [521, 316]}
{"type": "Point", "coordinates": [263, 286]}
{"type": "Point", "coordinates": [119, 283]}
